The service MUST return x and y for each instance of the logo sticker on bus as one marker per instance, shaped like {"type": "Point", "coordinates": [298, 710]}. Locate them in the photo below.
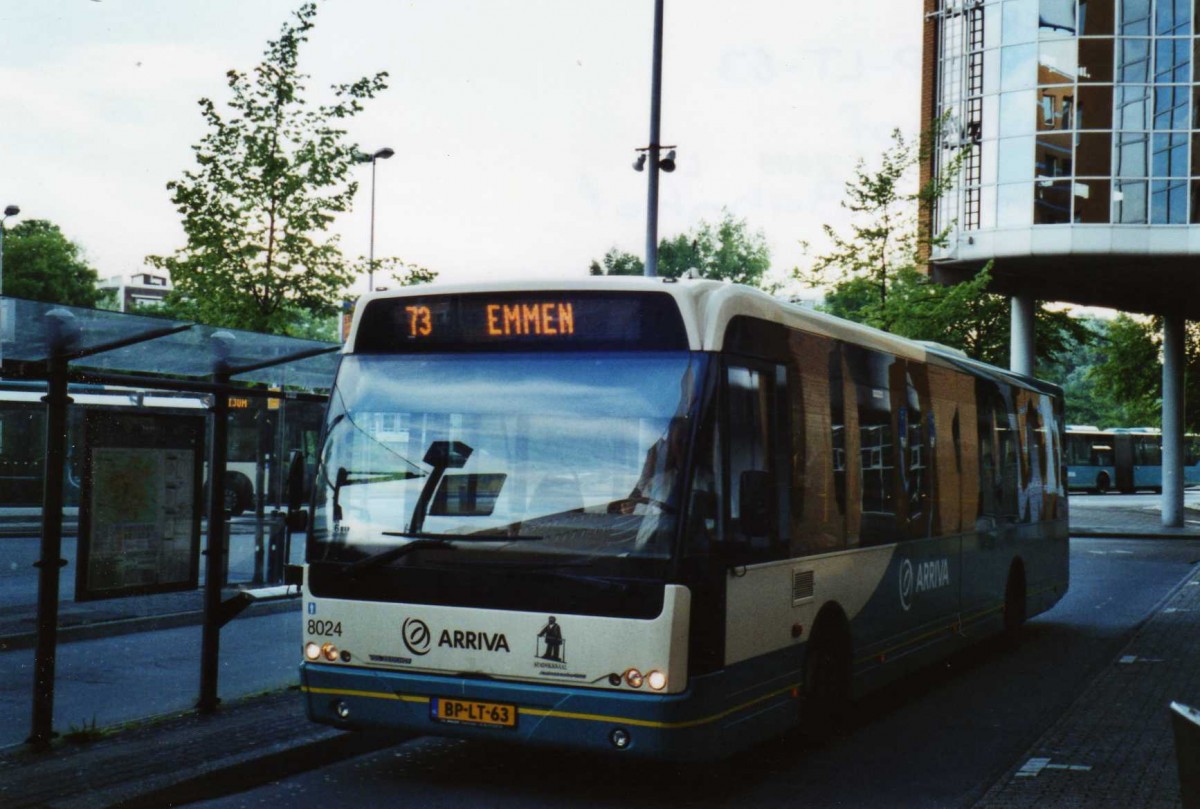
{"type": "Point", "coordinates": [416, 635]}
{"type": "Point", "coordinates": [926, 576]}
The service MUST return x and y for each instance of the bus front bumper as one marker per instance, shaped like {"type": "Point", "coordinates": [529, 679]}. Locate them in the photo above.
{"type": "Point", "coordinates": [692, 725]}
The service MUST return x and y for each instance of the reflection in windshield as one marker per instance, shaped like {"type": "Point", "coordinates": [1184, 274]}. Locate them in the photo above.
{"type": "Point", "coordinates": [582, 451]}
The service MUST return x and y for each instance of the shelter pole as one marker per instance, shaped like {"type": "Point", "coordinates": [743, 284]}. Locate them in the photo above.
{"type": "Point", "coordinates": [214, 575]}
{"type": "Point", "coordinates": [1172, 421]}
{"type": "Point", "coordinates": [1021, 336]}
{"type": "Point", "coordinates": [51, 561]}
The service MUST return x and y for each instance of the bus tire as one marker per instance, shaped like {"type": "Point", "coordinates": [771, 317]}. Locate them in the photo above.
{"type": "Point", "coordinates": [826, 692]}
{"type": "Point", "coordinates": [238, 494]}
{"type": "Point", "coordinates": [1014, 605]}
{"type": "Point", "coordinates": [1102, 483]}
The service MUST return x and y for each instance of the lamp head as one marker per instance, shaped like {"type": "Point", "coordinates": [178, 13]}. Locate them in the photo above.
{"type": "Point", "coordinates": [640, 163]}
{"type": "Point", "coordinates": [667, 164]}
{"type": "Point", "coordinates": [12, 210]}
{"type": "Point", "coordinates": [383, 153]}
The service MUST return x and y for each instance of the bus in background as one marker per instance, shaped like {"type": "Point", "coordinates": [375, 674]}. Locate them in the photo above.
{"type": "Point", "coordinates": [670, 519]}
{"type": "Point", "coordinates": [256, 427]}
{"type": "Point", "coordinates": [1128, 459]}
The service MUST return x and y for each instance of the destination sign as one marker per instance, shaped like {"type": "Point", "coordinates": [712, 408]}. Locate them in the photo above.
{"type": "Point", "coordinates": [522, 321]}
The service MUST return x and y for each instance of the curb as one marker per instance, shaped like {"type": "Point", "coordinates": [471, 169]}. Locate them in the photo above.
{"type": "Point", "coordinates": [1100, 533]}
{"type": "Point", "coordinates": [252, 769]}
{"type": "Point", "coordinates": [126, 626]}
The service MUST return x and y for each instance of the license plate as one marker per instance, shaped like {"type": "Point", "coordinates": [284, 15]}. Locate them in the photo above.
{"type": "Point", "coordinates": [469, 712]}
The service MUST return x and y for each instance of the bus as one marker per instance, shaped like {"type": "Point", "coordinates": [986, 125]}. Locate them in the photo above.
{"type": "Point", "coordinates": [1127, 459]}
{"type": "Point", "coordinates": [668, 518]}
{"type": "Point", "coordinates": [259, 429]}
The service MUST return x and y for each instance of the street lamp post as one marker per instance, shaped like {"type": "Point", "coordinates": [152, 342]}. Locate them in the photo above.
{"type": "Point", "coordinates": [654, 149]}
{"type": "Point", "coordinates": [11, 210]}
{"type": "Point", "coordinates": [384, 154]}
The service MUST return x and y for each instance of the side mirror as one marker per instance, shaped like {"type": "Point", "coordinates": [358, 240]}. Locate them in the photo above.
{"type": "Point", "coordinates": [754, 503]}
{"type": "Point", "coordinates": [295, 481]}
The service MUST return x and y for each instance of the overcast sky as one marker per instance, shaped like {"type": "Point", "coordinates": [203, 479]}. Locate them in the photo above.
{"type": "Point", "coordinates": [514, 121]}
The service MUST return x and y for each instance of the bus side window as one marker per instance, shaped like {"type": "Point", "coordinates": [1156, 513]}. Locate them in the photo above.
{"type": "Point", "coordinates": [754, 455]}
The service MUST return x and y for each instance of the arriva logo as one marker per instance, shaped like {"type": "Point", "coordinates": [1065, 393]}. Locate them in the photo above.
{"type": "Point", "coordinates": [416, 636]}
{"type": "Point", "coordinates": [926, 576]}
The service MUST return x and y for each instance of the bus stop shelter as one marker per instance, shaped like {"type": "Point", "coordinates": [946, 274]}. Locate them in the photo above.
{"type": "Point", "coordinates": [59, 345]}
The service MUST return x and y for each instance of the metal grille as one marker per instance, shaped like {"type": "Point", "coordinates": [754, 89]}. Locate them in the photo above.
{"type": "Point", "coordinates": [803, 585]}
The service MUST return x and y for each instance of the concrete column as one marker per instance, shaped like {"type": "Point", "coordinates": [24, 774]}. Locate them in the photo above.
{"type": "Point", "coordinates": [1172, 421]}
{"type": "Point", "coordinates": [1021, 342]}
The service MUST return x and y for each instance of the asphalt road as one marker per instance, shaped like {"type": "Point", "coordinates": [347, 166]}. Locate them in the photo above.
{"type": "Point", "coordinates": [938, 739]}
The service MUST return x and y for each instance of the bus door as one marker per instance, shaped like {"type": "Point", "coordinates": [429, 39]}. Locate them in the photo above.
{"type": "Point", "coordinates": [756, 459]}
{"type": "Point", "coordinates": [1123, 458]}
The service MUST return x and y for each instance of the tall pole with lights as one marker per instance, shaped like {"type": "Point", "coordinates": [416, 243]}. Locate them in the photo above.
{"type": "Point", "coordinates": [655, 147]}
{"type": "Point", "coordinates": [383, 154]}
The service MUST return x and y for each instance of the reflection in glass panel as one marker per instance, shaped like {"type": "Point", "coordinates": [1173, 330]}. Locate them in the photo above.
{"type": "Point", "coordinates": [1093, 201]}
{"type": "Point", "coordinates": [1014, 113]}
{"type": "Point", "coordinates": [1093, 155]}
{"type": "Point", "coordinates": [1096, 19]}
{"type": "Point", "coordinates": [1171, 106]}
{"type": "Point", "coordinates": [1132, 154]}
{"type": "Point", "coordinates": [1129, 202]}
{"type": "Point", "coordinates": [1168, 202]}
{"type": "Point", "coordinates": [1133, 107]}
{"type": "Point", "coordinates": [1058, 62]}
{"type": "Point", "coordinates": [1052, 202]}
{"type": "Point", "coordinates": [1173, 17]}
{"type": "Point", "coordinates": [1196, 154]}
{"type": "Point", "coordinates": [1094, 109]}
{"type": "Point", "coordinates": [1096, 60]}
{"type": "Point", "coordinates": [1056, 18]}
{"type": "Point", "coordinates": [1020, 22]}
{"type": "Point", "coordinates": [1012, 205]}
{"type": "Point", "coordinates": [1055, 108]}
{"type": "Point", "coordinates": [987, 161]}
{"type": "Point", "coordinates": [1170, 155]}
{"type": "Point", "coordinates": [1195, 202]}
{"type": "Point", "coordinates": [1135, 17]}
{"type": "Point", "coordinates": [1018, 67]}
{"type": "Point", "coordinates": [1052, 157]}
{"type": "Point", "coordinates": [1015, 159]}
{"type": "Point", "coordinates": [1171, 60]}
{"type": "Point", "coordinates": [1133, 60]}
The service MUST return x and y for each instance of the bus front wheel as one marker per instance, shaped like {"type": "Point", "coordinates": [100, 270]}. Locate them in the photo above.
{"type": "Point", "coordinates": [826, 678]}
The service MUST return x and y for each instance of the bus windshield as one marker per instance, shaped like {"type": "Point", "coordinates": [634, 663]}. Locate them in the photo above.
{"type": "Point", "coordinates": [508, 458]}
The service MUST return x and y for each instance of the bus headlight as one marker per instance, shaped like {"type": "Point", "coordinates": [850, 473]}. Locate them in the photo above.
{"type": "Point", "coordinates": [312, 651]}
{"type": "Point", "coordinates": [330, 652]}
{"type": "Point", "coordinates": [656, 680]}
{"type": "Point", "coordinates": [633, 678]}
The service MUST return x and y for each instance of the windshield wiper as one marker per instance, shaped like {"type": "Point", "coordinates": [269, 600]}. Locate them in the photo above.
{"type": "Point", "coordinates": [425, 541]}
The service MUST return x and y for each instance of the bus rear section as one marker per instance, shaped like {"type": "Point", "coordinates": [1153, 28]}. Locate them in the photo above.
{"type": "Point", "coordinates": [668, 520]}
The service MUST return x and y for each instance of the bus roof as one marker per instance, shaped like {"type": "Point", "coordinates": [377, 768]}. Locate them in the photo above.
{"type": "Point", "coordinates": [707, 308]}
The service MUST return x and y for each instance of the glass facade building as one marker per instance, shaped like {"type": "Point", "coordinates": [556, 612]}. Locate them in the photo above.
{"type": "Point", "coordinates": [1072, 127]}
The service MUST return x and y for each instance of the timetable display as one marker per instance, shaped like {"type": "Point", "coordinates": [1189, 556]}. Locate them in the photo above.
{"type": "Point", "coordinates": [522, 321]}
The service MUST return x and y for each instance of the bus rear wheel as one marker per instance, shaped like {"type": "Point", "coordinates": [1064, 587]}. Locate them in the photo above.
{"type": "Point", "coordinates": [826, 681]}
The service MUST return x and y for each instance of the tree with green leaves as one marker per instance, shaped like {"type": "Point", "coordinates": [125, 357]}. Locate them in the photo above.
{"type": "Point", "coordinates": [872, 274]}
{"type": "Point", "coordinates": [725, 251]}
{"type": "Point", "coordinates": [271, 174]}
{"type": "Point", "coordinates": [42, 264]}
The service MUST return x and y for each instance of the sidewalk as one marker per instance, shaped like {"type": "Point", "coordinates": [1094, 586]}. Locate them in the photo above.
{"type": "Point", "coordinates": [1112, 748]}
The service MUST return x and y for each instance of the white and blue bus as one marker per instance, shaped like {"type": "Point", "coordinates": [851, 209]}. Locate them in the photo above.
{"type": "Point", "coordinates": [1128, 459]}
{"type": "Point", "coordinates": [668, 518]}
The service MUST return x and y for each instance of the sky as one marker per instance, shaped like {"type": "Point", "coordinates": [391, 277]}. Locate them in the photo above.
{"type": "Point", "coordinates": [514, 122]}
